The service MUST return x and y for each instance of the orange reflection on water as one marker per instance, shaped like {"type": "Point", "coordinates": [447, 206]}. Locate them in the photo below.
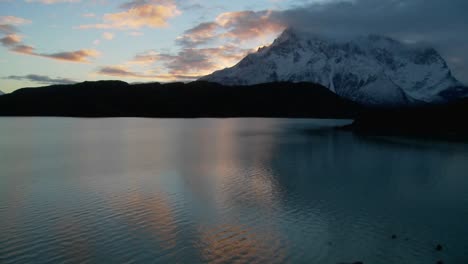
{"type": "Point", "coordinates": [74, 244]}
{"type": "Point", "coordinates": [153, 214]}
{"type": "Point", "coordinates": [241, 244]}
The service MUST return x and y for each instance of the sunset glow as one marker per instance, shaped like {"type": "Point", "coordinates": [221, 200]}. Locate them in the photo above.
{"type": "Point", "coordinates": [51, 41]}
{"type": "Point", "coordinates": [45, 42]}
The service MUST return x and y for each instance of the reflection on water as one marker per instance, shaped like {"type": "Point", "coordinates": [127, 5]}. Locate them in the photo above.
{"type": "Point", "coordinates": [241, 244]}
{"type": "Point", "coordinates": [226, 191]}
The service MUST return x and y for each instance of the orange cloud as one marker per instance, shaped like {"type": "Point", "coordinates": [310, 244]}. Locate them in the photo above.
{"type": "Point", "coordinates": [136, 34]}
{"type": "Point", "coordinates": [235, 27]}
{"type": "Point", "coordinates": [203, 61]}
{"type": "Point", "coordinates": [48, 2]}
{"type": "Point", "coordinates": [89, 15]}
{"type": "Point", "coordinates": [194, 61]}
{"type": "Point", "coordinates": [246, 25]}
{"type": "Point", "coordinates": [73, 56]}
{"type": "Point", "coordinates": [12, 20]}
{"type": "Point", "coordinates": [121, 72]}
{"type": "Point", "coordinates": [187, 64]}
{"type": "Point", "coordinates": [138, 14]}
{"type": "Point", "coordinates": [200, 34]}
{"type": "Point", "coordinates": [146, 58]}
{"type": "Point", "coordinates": [23, 49]}
{"type": "Point", "coordinates": [107, 35]}
{"type": "Point", "coordinates": [7, 29]}
{"type": "Point", "coordinates": [81, 56]}
{"type": "Point", "coordinates": [10, 40]}
{"type": "Point", "coordinates": [13, 42]}
{"type": "Point", "coordinates": [8, 24]}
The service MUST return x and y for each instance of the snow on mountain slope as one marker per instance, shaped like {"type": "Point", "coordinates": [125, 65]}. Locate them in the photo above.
{"type": "Point", "coordinates": [373, 70]}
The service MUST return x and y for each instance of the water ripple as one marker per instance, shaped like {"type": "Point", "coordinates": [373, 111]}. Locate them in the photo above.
{"type": "Point", "coordinates": [201, 191]}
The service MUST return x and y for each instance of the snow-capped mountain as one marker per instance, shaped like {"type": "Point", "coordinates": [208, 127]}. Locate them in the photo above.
{"type": "Point", "coordinates": [372, 70]}
{"type": "Point", "coordinates": [2, 93]}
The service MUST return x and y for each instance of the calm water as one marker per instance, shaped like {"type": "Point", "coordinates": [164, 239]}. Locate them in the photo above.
{"type": "Point", "coordinates": [222, 191]}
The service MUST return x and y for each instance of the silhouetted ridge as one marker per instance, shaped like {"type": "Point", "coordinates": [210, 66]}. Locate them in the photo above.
{"type": "Point", "coordinates": [196, 99]}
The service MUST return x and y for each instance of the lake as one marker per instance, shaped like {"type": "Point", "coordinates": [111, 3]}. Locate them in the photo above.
{"type": "Point", "coordinates": [227, 191]}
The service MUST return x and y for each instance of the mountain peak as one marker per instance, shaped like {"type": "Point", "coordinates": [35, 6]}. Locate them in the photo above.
{"type": "Point", "coordinates": [289, 33]}
{"type": "Point", "coordinates": [373, 69]}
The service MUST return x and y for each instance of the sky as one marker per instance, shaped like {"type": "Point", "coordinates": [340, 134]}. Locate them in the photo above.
{"type": "Point", "coordinates": [46, 42]}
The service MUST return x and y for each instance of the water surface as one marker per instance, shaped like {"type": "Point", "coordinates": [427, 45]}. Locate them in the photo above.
{"type": "Point", "coordinates": [226, 190]}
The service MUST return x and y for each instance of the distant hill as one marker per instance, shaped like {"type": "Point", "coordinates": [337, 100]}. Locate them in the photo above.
{"type": "Point", "coordinates": [2, 93]}
{"type": "Point", "coordinates": [196, 99]}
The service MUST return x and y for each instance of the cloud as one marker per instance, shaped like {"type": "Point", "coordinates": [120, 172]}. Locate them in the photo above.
{"type": "Point", "coordinates": [7, 29]}
{"type": "Point", "coordinates": [41, 79]}
{"type": "Point", "coordinates": [8, 24]}
{"type": "Point", "coordinates": [202, 61]}
{"type": "Point", "coordinates": [441, 24]}
{"type": "Point", "coordinates": [72, 56]}
{"type": "Point", "coordinates": [107, 35]}
{"type": "Point", "coordinates": [249, 24]}
{"type": "Point", "coordinates": [146, 58]}
{"type": "Point", "coordinates": [121, 72]}
{"type": "Point", "coordinates": [23, 49]}
{"type": "Point", "coordinates": [201, 34]}
{"type": "Point", "coordinates": [124, 72]}
{"type": "Point", "coordinates": [138, 14]}
{"type": "Point", "coordinates": [233, 27]}
{"type": "Point", "coordinates": [13, 42]}
{"type": "Point", "coordinates": [10, 40]}
{"type": "Point", "coordinates": [216, 44]}
{"type": "Point", "coordinates": [88, 15]}
{"type": "Point", "coordinates": [136, 34]}
{"type": "Point", "coordinates": [81, 56]}
{"type": "Point", "coordinates": [187, 64]}
{"type": "Point", "coordinates": [48, 2]}
{"type": "Point", "coordinates": [12, 20]}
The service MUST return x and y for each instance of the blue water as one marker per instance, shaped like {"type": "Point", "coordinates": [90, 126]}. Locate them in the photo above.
{"type": "Point", "coordinates": [226, 191]}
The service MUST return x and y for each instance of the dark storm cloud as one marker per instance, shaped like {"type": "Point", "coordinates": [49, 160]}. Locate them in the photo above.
{"type": "Point", "coordinates": [404, 18]}
{"type": "Point", "coordinates": [41, 79]}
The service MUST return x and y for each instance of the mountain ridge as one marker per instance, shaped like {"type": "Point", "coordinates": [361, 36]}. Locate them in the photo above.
{"type": "Point", "coordinates": [371, 70]}
{"type": "Point", "coordinates": [177, 100]}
